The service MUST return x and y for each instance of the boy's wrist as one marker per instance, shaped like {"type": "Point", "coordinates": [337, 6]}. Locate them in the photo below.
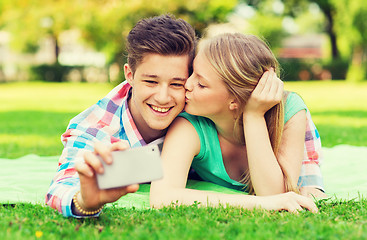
{"type": "Point", "coordinates": [79, 209]}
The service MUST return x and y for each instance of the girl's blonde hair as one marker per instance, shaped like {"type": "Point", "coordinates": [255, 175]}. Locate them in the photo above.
{"type": "Point", "coordinates": [240, 60]}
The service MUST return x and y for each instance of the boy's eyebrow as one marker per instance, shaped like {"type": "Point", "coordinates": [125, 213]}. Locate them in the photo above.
{"type": "Point", "coordinates": [179, 79]}
{"type": "Point", "coordinates": [155, 76]}
{"type": "Point", "coordinates": [149, 75]}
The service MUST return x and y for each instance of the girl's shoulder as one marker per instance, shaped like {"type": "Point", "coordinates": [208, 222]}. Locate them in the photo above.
{"type": "Point", "coordinates": [293, 104]}
{"type": "Point", "coordinates": [198, 121]}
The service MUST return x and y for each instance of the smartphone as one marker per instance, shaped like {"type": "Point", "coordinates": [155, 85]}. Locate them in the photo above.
{"type": "Point", "coordinates": [134, 165]}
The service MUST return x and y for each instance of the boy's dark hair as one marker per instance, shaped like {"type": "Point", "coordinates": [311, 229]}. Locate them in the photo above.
{"type": "Point", "coordinates": [164, 35]}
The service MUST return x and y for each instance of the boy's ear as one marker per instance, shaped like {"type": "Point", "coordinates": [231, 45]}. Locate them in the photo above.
{"type": "Point", "coordinates": [128, 74]}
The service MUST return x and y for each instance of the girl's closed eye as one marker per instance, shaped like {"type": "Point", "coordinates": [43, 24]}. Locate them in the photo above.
{"type": "Point", "coordinates": [201, 85]}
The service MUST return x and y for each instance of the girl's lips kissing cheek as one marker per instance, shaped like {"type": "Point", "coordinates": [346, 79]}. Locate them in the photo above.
{"type": "Point", "coordinates": [186, 98]}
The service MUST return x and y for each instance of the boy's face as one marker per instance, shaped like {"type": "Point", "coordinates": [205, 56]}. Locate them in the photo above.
{"type": "Point", "coordinates": [158, 93]}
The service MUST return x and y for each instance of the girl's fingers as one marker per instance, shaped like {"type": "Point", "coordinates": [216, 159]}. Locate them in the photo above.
{"type": "Point", "coordinates": [296, 208]}
{"type": "Point", "coordinates": [280, 90]}
{"type": "Point", "coordinates": [261, 84]}
{"type": "Point", "coordinates": [273, 85]}
{"type": "Point", "coordinates": [295, 203]}
{"type": "Point", "coordinates": [307, 203]}
{"type": "Point", "coordinates": [268, 82]}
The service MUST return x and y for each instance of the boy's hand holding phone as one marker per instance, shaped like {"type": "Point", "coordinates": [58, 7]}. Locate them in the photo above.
{"type": "Point", "coordinates": [133, 165]}
{"type": "Point", "coordinates": [91, 197]}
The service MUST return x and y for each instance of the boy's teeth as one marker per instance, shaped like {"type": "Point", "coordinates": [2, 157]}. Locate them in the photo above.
{"type": "Point", "coordinates": [159, 109]}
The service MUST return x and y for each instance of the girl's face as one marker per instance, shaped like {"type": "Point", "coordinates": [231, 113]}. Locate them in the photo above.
{"type": "Point", "coordinates": [206, 93]}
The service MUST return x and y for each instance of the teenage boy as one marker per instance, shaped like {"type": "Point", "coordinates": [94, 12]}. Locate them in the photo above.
{"type": "Point", "coordinates": [135, 113]}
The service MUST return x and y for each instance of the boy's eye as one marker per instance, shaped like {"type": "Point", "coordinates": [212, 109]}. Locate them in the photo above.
{"type": "Point", "coordinates": [177, 84]}
{"type": "Point", "coordinates": [150, 81]}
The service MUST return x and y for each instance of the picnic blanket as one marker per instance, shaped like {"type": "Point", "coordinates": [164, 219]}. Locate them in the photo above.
{"type": "Point", "coordinates": [26, 179]}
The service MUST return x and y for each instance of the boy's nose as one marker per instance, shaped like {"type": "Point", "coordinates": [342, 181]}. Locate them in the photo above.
{"type": "Point", "coordinates": [163, 96]}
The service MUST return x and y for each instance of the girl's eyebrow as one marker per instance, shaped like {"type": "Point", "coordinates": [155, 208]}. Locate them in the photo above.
{"type": "Point", "coordinates": [201, 78]}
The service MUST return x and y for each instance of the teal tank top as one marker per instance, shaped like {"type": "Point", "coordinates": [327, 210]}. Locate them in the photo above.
{"type": "Point", "coordinates": [208, 164]}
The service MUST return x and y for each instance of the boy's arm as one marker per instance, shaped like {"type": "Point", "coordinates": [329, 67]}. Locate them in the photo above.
{"type": "Point", "coordinates": [99, 123]}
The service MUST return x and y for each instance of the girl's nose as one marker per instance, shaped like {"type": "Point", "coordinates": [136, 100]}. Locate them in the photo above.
{"type": "Point", "coordinates": [188, 84]}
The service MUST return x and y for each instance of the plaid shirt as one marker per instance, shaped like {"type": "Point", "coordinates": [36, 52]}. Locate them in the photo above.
{"type": "Point", "coordinates": [310, 171]}
{"type": "Point", "coordinates": [107, 121]}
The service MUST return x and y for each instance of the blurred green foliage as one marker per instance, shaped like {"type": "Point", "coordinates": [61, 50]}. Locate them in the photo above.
{"type": "Point", "coordinates": [346, 25]}
{"type": "Point", "coordinates": [104, 24]}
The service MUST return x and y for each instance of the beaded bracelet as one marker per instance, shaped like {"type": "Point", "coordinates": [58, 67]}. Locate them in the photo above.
{"type": "Point", "coordinates": [81, 210]}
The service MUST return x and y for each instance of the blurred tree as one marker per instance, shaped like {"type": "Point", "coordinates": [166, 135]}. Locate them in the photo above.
{"type": "Point", "coordinates": [296, 7]}
{"type": "Point", "coordinates": [267, 23]}
{"type": "Point", "coordinates": [351, 19]}
{"type": "Point", "coordinates": [103, 24]}
{"type": "Point", "coordinates": [346, 27]}
{"type": "Point", "coordinates": [106, 26]}
{"type": "Point", "coordinates": [29, 21]}
{"type": "Point", "coordinates": [268, 27]}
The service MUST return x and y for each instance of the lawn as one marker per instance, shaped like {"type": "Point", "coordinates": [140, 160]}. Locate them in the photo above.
{"type": "Point", "coordinates": [338, 109]}
{"type": "Point", "coordinates": [33, 116]}
{"type": "Point", "coordinates": [337, 220]}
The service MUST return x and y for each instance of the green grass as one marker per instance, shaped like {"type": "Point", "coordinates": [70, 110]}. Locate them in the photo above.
{"type": "Point", "coordinates": [34, 115]}
{"type": "Point", "coordinates": [338, 109]}
{"type": "Point", "coordinates": [336, 220]}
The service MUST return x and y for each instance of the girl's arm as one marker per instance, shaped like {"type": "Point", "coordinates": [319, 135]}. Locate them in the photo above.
{"type": "Point", "coordinates": [291, 148]}
{"type": "Point", "coordinates": [265, 172]}
{"type": "Point", "coordinates": [181, 144]}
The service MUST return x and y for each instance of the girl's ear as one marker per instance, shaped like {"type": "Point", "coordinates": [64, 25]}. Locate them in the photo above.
{"type": "Point", "coordinates": [234, 105]}
{"type": "Point", "coordinates": [129, 76]}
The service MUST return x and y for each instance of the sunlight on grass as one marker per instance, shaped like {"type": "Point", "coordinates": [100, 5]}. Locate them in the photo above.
{"type": "Point", "coordinates": [338, 109]}
{"type": "Point", "coordinates": [13, 146]}
{"type": "Point", "coordinates": [331, 95]}
{"type": "Point", "coordinates": [340, 121]}
{"type": "Point", "coordinates": [57, 97]}
{"type": "Point", "coordinates": [33, 115]}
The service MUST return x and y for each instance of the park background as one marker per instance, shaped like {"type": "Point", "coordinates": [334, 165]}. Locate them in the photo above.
{"type": "Point", "coordinates": [84, 40]}
{"type": "Point", "coordinates": [59, 57]}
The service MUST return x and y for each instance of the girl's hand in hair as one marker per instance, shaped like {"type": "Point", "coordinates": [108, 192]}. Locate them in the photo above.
{"type": "Point", "coordinates": [267, 93]}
